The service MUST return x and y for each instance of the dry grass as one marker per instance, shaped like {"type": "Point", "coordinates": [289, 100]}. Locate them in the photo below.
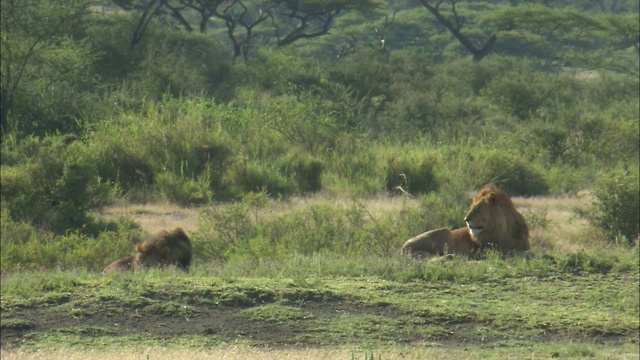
{"type": "Point", "coordinates": [155, 217]}
{"type": "Point", "coordinates": [562, 231]}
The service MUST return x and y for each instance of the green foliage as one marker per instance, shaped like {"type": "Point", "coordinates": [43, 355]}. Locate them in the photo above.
{"type": "Point", "coordinates": [183, 191]}
{"type": "Point", "coordinates": [254, 176]}
{"type": "Point", "coordinates": [443, 209]}
{"type": "Point", "coordinates": [514, 174]}
{"type": "Point", "coordinates": [194, 66]}
{"type": "Point", "coordinates": [414, 175]}
{"type": "Point", "coordinates": [306, 171]}
{"type": "Point", "coordinates": [48, 76]}
{"type": "Point", "coordinates": [247, 230]}
{"type": "Point", "coordinates": [26, 248]}
{"type": "Point", "coordinates": [616, 208]}
{"type": "Point", "coordinates": [516, 93]}
{"type": "Point", "coordinates": [57, 187]}
{"type": "Point", "coordinates": [177, 143]}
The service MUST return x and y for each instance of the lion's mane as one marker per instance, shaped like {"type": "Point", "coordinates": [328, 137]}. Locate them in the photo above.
{"type": "Point", "coordinates": [494, 222]}
{"type": "Point", "coordinates": [164, 249]}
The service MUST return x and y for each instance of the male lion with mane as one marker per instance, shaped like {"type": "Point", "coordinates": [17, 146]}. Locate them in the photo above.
{"type": "Point", "coordinates": [164, 249]}
{"type": "Point", "coordinates": [492, 223]}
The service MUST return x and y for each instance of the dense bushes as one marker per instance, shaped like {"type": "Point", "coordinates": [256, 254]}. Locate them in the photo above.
{"type": "Point", "coordinates": [56, 187]}
{"type": "Point", "coordinates": [25, 248]}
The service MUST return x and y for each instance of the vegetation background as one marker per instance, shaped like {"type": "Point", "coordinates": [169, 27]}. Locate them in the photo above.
{"type": "Point", "coordinates": [128, 101]}
{"type": "Point", "coordinates": [382, 116]}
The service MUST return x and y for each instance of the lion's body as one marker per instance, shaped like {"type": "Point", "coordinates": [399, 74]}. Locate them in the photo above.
{"type": "Point", "coordinates": [440, 242]}
{"type": "Point", "coordinates": [165, 249]}
{"type": "Point", "coordinates": [492, 223]}
{"type": "Point", "coordinates": [120, 265]}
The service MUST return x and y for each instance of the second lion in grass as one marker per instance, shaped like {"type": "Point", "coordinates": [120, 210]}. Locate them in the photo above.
{"type": "Point", "coordinates": [164, 249]}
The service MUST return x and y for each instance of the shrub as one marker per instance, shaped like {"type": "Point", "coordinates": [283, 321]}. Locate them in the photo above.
{"type": "Point", "coordinates": [443, 209]}
{"type": "Point", "coordinates": [56, 188]}
{"type": "Point", "coordinates": [26, 248]}
{"type": "Point", "coordinates": [616, 208]}
{"type": "Point", "coordinates": [252, 176]}
{"type": "Point", "coordinates": [306, 170]}
{"type": "Point", "coordinates": [413, 174]}
{"type": "Point", "coordinates": [184, 191]}
{"type": "Point", "coordinates": [512, 173]}
{"type": "Point", "coordinates": [48, 82]}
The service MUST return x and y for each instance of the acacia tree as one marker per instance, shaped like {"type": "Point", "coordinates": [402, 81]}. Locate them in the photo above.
{"type": "Point", "coordinates": [567, 35]}
{"type": "Point", "coordinates": [290, 20]}
{"type": "Point", "coordinates": [454, 24]}
{"type": "Point", "coordinates": [573, 37]}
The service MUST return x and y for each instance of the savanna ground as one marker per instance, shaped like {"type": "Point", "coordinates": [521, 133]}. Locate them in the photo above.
{"type": "Point", "coordinates": [578, 299]}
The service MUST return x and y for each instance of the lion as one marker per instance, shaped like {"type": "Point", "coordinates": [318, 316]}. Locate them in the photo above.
{"type": "Point", "coordinates": [120, 265]}
{"type": "Point", "coordinates": [440, 242]}
{"type": "Point", "coordinates": [164, 249]}
{"type": "Point", "coordinates": [492, 223]}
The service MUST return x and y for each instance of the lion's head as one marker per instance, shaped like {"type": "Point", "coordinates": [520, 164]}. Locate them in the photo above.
{"type": "Point", "coordinates": [494, 222]}
{"type": "Point", "coordinates": [164, 249]}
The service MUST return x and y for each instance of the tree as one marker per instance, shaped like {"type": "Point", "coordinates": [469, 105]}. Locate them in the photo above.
{"type": "Point", "coordinates": [573, 37]}
{"type": "Point", "coordinates": [565, 35]}
{"type": "Point", "coordinates": [455, 24]}
{"type": "Point", "coordinates": [290, 20]}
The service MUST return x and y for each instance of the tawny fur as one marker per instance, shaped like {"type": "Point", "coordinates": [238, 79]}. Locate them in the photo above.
{"type": "Point", "coordinates": [165, 249]}
{"type": "Point", "coordinates": [492, 223]}
{"type": "Point", "coordinates": [504, 228]}
{"type": "Point", "coordinates": [440, 242]}
{"type": "Point", "coordinates": [120, 265]}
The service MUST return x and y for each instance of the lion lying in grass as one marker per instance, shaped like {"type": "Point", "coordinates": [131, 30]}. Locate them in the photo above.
{"type": "Point", "coordinates": [492, 223]}
{"type": "Point", "coordinates": [167, 248]}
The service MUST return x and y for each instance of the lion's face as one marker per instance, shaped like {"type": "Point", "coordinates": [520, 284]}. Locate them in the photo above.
{"type": "Point", "coordinates": [480, 217]}
{"type": "Point", "coordinates": [493, 221]}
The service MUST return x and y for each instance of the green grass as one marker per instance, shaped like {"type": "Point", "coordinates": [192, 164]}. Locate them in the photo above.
{"type": "Point", "coordinates": [492, 307]}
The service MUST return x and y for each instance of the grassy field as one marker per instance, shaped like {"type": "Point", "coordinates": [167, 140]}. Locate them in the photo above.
{"type": "Point", "coordinates": [577, 299]}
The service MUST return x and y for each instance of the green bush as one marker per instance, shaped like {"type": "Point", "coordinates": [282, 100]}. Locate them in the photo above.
{"type": "Point", "coordinates": [616, 209]}
{"type": "Point", "coordinates": [184, 191]}
{"type": "Point", "coordinates": [253, 176]}
{"type": "Point", "coordinates": [306, 170]}
{"type": "Point", "coordinates": [196, 63]}
{"type": "Point", "coordinates": [443, 209]}
{"type": "Point", "coordinates": [414, 175]}
{"type": "Point", "coordinates": [57, 188]}
{"type": "Point", "coordinates": [26, 248]}
{"type": "Point", "coordinates": [251, 230]}
{"type": "Point", "coordinates": [512, 173]}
